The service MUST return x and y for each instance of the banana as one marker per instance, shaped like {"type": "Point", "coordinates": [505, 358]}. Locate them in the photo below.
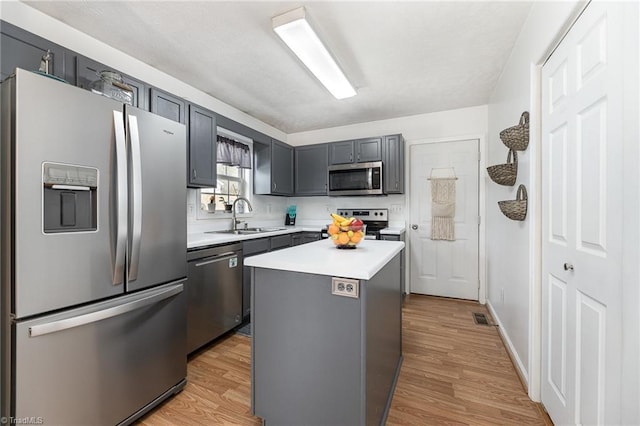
{"type": "Point", "coordinates": [347, 222]}
{"type": "Point", "coordinates": [338, 218]}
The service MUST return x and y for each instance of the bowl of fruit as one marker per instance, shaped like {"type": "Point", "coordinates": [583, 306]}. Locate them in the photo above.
{"type": "Point", "coordinates": [346, 233]}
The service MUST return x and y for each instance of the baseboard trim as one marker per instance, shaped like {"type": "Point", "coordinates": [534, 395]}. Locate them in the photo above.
{"type": "Point", "coordinates": [513, 355]}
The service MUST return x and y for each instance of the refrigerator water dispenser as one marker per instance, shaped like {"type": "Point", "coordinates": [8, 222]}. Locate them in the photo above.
{"type": "Point", "coordinates": [69, 198]}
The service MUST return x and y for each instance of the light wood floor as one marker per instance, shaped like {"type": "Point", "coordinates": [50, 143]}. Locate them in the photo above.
{"type": "Point", "coordinates": [454, 372]}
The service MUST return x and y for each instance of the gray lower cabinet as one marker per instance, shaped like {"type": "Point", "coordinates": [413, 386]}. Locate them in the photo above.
{"type": "Point", "coordinates": [202, 145]}
{"type": "Point", "coordinates": [279, 242]}
{"type": "Point", "coordinates": [393, 164]}
{"type": "Point", "coordinates": [273, 168]}
{"type": "Point", "coordinates": [254, 247]}
{"type": "Point", "coordinates": [87, 72]}
{"type": "Point", "coordinates": [389, 237]}
{"type": "Point", "coordinates": [322, 359]}
{"type": "Point", "coordinates": [304, 238]}
{"type": "Point", "coordinates": [311, 174]}
{"type": "Point", "coordinates": [167, 105]}
{"type": "Point", "coordinates": [250, 248]}
{"type": "Point", "coordinates": [214, 293]}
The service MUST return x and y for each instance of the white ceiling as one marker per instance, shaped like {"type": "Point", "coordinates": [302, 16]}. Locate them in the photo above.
{"type": "Point", "coordinates": [404, 58]}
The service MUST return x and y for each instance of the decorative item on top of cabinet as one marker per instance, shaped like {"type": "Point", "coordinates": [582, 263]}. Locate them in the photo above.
{"type": "Point", "coordinates": [505, 174]}
{"type": "Point", "coordinates": [517, 137]}
{"type": "Point", "coordinates": [515, 209]}
{"type": "Point", "coordinates": [88, 76]}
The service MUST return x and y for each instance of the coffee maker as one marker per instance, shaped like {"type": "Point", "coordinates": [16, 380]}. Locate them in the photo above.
{"type": "Point", "coordinates": [290, 217]}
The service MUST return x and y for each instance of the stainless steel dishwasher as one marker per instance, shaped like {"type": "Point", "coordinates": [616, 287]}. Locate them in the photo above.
{"type": "Point", "coordinates": [214, 290]}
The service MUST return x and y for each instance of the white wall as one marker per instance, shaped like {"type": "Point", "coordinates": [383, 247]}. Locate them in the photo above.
{"type": "Point", "coordinates": [444, 124]}
{"type": "Point", "coordinates": [512, 270]}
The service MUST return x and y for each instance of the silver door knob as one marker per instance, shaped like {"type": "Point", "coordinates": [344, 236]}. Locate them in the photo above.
{"type": "Point", "coordinates": [568, 267]}
{"type": "Point", "coordinates": [414, 227]}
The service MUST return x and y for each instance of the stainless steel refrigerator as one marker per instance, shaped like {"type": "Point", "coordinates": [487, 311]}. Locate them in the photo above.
{"type": "Point", "coordinates": [93, 234]}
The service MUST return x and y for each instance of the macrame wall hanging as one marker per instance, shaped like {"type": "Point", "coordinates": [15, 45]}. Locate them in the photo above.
{"type": "Point", "coordinates": [443, 204]}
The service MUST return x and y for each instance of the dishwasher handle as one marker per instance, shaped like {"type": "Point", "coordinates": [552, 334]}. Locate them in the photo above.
{"type": "Point", "coordinates": [216, 258]}
{"type": "Point", "coordinates": [65, 324]}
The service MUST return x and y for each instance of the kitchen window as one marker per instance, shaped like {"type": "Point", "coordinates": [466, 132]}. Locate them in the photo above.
{"type": "Point", "coordinates": [232, 183]}
{"type": "Point", "coordinates": [234, 175]}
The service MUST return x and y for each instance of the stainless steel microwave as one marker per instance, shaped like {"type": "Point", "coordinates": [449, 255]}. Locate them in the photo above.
{"type": "Point", "coordinates": [356, 179]}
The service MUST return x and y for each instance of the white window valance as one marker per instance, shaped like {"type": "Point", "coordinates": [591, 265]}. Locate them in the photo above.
{"type": "Point", "coordinates": [233, 153]}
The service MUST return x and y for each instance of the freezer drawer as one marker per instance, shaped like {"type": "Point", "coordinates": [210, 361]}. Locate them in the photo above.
{"type": "Point", "coordinates": [101, 364]}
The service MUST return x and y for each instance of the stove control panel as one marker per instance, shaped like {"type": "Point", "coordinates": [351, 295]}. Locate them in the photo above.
{"type": "Point", "coordinates": [366, 214]}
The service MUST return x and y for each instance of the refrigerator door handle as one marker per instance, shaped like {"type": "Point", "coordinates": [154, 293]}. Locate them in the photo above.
{"type": "Point", "coordinates": [121, 198]}
{"type": "Point", "coordinates": [65, 324]}
{"type": "Point", "coordinates": [136, 188]}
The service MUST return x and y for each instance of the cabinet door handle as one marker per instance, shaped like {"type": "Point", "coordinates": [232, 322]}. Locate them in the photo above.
{"type": "Point", "coordinates": [195, 175]}
{"type": "Point", "coordinates": [274, 186]}
{"type": "Point", "coordinates": [568, 267]}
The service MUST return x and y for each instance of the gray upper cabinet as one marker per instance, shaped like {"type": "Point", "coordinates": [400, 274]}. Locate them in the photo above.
{"type": "Point", "coordinates": [168, 106]}
{"type": "Point", "coordinates": [311, 174]}
{"type": "Point", "coordinates": [202, 148]}
{"type": "Point", "coordinates": [87, 72]}
{"type": "Point", "coordinates": [369, 149]}
{"type": "Point", "coordinates": [22, 49]}
{"type": "Point", "coordinates": [341, 152]}
{"type": "Point", "coordinates": [282, 170]}
{"type": "Point", "coordinates": [273, 173]}
{"type": "Point", "coordinates": [356, 151]}
{"type": "Point", "coordinates": [393, 164]}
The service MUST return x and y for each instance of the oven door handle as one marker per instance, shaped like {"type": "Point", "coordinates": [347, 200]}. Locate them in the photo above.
{"type": "Point", "coordinates": [370, 178]}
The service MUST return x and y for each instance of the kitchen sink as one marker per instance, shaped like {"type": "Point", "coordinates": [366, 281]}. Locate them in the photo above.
{"type": "Point", "coordinates": [245, 231]}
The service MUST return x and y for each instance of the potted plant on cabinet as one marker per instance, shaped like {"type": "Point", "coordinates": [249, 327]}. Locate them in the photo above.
{"type": "Point", "coordinates": [227, 206]}
{"type": "Point", "coordinates": [211, 207]}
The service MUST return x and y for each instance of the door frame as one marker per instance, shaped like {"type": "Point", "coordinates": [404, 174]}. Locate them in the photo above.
{"type": "Point", "coordinates": [482, 261]}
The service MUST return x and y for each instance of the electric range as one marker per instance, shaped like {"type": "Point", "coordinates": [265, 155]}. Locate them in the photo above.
{"type": "Point", "coordinates": [375, 219]}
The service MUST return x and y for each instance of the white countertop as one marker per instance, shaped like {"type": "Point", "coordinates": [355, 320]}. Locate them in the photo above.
{"type": "Point", "coordinates": [323, 258]}
{"type": "Point", "coordinates": [203, 239]}
{"type": "Point", "coordinates": [393, 230]}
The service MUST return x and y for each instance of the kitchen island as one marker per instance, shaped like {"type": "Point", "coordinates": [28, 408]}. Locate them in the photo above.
{"type": "Point", "coordinates": [319, 357]}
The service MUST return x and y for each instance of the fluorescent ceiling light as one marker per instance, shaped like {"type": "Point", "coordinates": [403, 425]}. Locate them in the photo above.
{"type": "Point", "coordinates": [295, 31]}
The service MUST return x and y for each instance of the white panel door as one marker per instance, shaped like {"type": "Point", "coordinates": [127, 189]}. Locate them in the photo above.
{"type": "Point", "coordinates": [445, 268]}
{"type": "Point", "coordinates": [582, 221]}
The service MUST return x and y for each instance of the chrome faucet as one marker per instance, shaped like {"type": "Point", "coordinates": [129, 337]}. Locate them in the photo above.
{"type": "Point", "coordinates": [234, 220]}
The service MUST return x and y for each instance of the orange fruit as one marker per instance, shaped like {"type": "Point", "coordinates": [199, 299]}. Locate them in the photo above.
{"type": "Point", "coordinates": [343, 238]}
{"type": "Point", "coordinates": [356, 237]}
{"type": "Point", "coordinates": [333, 229]}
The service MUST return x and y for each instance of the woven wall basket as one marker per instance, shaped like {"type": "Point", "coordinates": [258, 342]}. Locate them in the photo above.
{"type": "Point", "coordinates": [517, 137]}
{"type": "Point", "coordinates": [515, 209]}
{"type": "Point", "coordinates": [505, 174]}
